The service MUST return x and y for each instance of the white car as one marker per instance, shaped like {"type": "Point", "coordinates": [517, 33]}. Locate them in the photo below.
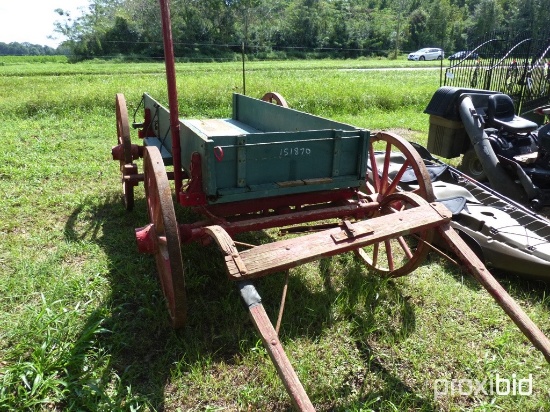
{"type": "Point", "coordinates": [427, 54]}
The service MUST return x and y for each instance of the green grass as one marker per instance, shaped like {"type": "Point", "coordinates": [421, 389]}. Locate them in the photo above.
{"type": "Point", "coordinates": [83, 324]}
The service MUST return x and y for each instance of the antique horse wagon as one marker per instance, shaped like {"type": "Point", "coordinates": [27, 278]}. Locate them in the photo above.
{"type": "Point", "coordinates": [271, 166]}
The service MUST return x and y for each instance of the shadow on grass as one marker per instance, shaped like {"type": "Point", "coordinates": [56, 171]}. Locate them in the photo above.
{"type": "Point", "coordinates": [136, 355]}
{"type": "Point", "coordinates": [520, 287]}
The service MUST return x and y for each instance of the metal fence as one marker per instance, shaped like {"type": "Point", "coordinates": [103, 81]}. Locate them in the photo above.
{"type": "Point", "coordinates": [516, 65]}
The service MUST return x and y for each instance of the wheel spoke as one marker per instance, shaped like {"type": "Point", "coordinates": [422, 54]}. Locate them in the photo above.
{"type": "Point", "coordinates": [374, 168]}
{"type": "Point", "coordinates": [389, 255]}
{"type": "Point", "coordinates": [376, 249]}
{"type": "Point", "coordinates": [385, 169]}
{"type": "Point", "coordinates": [405, 247]}
{"type": "Point", "coordinates": [393, 186]}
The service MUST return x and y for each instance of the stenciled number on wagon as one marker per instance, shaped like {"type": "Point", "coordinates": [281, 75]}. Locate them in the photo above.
{"type": "Point", "coordinates": [295, 151]}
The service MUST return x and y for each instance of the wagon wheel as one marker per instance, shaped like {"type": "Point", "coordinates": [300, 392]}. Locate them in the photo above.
{"type": "Point", "coordinates": [399, 157]}
{"type": "Point", "coordinates": [168, 251]}
{"type": "Point", "coordinates": [275, 98]}
{"type": "Point", "coordinates": [401, 255]}
{"type": "Point", "coordinates": [123, 134]}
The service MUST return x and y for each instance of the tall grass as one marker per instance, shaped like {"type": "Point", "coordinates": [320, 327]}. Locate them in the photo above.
{"type": "Point", "coordinates": [83, 324]}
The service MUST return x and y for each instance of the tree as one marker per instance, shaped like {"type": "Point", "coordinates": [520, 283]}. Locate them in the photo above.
{"type": "Point", "coordinates": [303, 23]}
{"type": "Point", "coordinates": [487, 17]}
{"type": "Point", "coordinates": [401, 8]}
{"type": "Point", "coordinates": [347, 27]}
{"type": "Point", "coordinates": [437, 23]}
{"type": "Point", "coordinates": [86, 33]}
{"type": "Point", "coordinates": [418, 28]}
{"type": "Point", "coordinates": [122, 38]}
{"type": "Point", "coordinates": [25, 49]}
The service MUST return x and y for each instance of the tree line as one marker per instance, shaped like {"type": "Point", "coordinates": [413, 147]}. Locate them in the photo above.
{"type": "Point", "coordinates": [287, 28]}
{"type": "Point", "coordinates": [26, 49]}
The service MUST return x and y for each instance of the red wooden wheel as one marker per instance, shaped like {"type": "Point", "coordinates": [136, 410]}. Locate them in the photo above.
{"type": "Point", "coordinates": [275, 98]}
{"type": "Point", "coordinates": [123, 134]}
{"type": "Point", "coordinates": [401, 255]}
{"type": "Point", "coordinates": [168, 248]}
{"type": "Point", "coordinates": [399, 156]}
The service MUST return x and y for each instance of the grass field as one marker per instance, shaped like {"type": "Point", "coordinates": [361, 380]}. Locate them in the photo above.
{"type": "Point", "coordinates": [83, 324]}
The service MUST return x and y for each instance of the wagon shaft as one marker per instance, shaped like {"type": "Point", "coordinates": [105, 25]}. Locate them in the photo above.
{"type": "Point", "coordinates": [285, 254]}
{"type": "Point", "coordinates": [274, 348]}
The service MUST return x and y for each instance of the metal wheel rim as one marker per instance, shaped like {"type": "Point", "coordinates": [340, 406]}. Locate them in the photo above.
{"type": "Point", "coordinates": [476, 168]}
{"type": "Point", "coordinates": [381, 185]}
{"type": "Point", "coordinates": [123, 137]}
{"type": "Point", "coordinates": [168, 255]}
{"type": "Point", "coordinates": [472, 166]}
{"type": "Point", "coordinates": [275, 98]}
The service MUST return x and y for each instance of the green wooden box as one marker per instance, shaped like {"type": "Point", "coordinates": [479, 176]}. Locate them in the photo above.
{"type": "Point", "coordinates": [265, 150]}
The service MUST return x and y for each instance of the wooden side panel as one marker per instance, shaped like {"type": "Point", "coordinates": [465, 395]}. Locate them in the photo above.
{"type": "Point", "coordinates": [269, 117]}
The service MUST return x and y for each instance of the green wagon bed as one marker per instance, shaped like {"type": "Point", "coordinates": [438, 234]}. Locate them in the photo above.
{"type": "Point", "coordinates": [263, 150]}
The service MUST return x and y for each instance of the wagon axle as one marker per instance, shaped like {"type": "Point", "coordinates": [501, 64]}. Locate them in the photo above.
{"type": "Point", "coordinates": [252, 222]}
{"type": "Point", "coordinates": [289, 253]}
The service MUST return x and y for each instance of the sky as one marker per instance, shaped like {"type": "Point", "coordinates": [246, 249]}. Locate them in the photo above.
{"type": "Point", "coordinates": [32, 21]}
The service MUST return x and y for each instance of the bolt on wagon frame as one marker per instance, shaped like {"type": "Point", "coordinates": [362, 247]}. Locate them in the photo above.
{"type": "Point", "coordinates": [270, 166]}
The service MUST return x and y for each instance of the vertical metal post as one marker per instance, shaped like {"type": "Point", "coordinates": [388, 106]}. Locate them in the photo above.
{"type": "Point", "coordinates": [172, 92]}
{"type": "Point", "coordinates": [244, 78]}
{"type": "Point", "coordinates": [441, 72]}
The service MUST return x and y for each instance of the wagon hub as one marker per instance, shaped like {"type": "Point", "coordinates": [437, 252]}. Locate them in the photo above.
{"type": "Point", "coordinates": [147, 239]}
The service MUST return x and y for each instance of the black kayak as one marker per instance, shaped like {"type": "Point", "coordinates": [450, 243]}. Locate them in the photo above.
{"type": "Point", "coordinates": [505, 234]}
